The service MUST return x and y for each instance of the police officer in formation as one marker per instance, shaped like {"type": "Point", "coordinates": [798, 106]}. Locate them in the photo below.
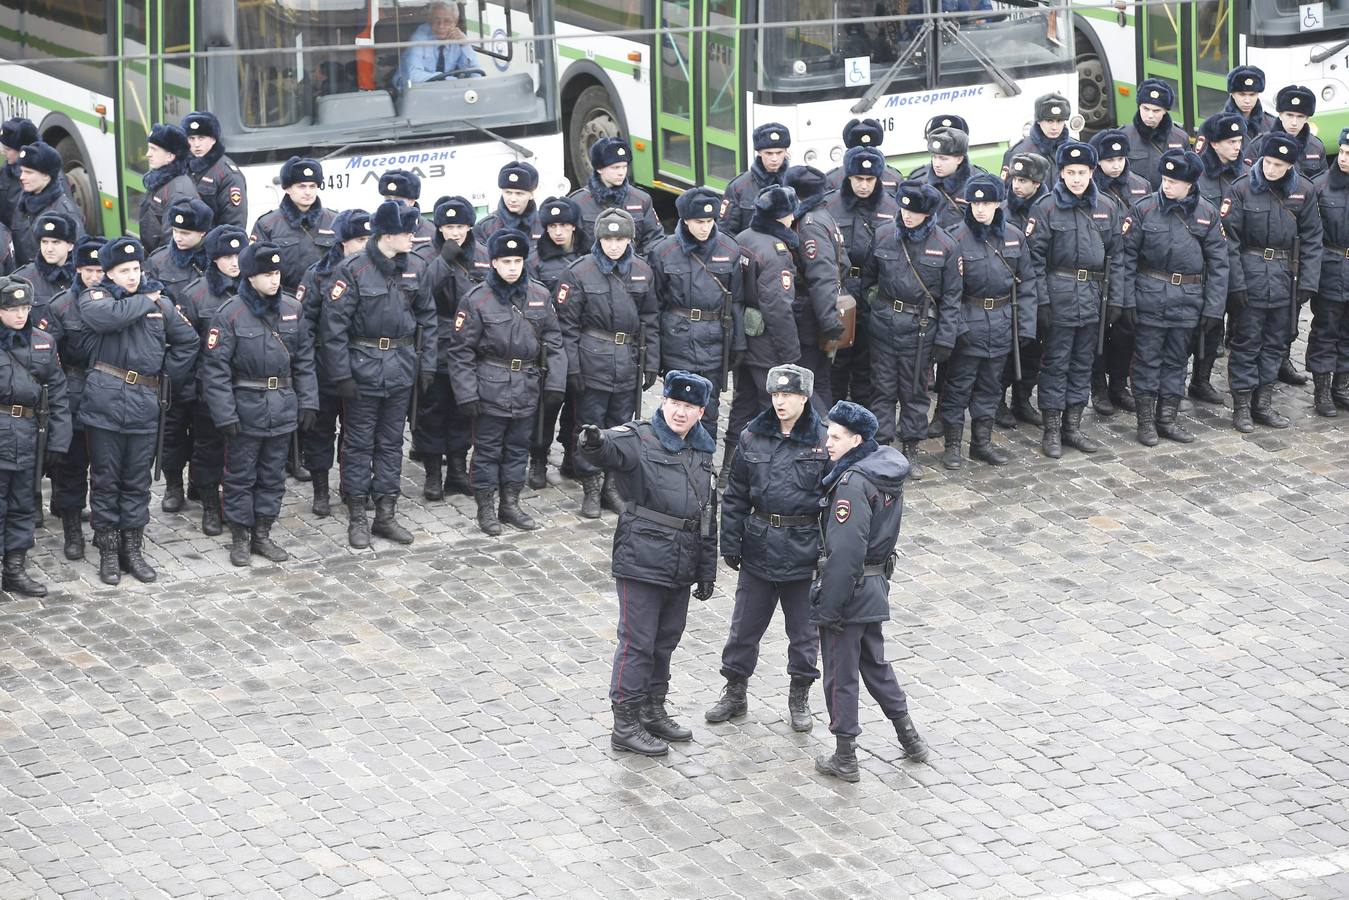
{"type": "Point", "coordinates": [821, 261]}
{"type": "Point", "coordinates": [1175, 279]}
{"type": "Point", "coordinates": [1026, 184]}
{"type": "Point", "coordinates": [15, 134]}
{"type": "Point", "coordinates": [215, 177]}
{"type": "Point", "coordinates": [867, 134]}
{"type": "Point", "coordinates": [1295, 105]}
{"type": "Point", "coordinates": [181, 260]}
{"type": "Point", "coordinates": [166, 183]}
{"type": "Point", "coordinates": [301, 227]}
{"type": "Point", "coordinates": [257, 376]}
{"type": "Point", "coordinates": [1152, 133]}
{"type": "Point", "coordinates": [609, 188]}
{"type": "Point", "coordinates": [405, 189]}
{"type": "Point", "coordinates": [44, 191]}
{"type": "Point", "coordinates": [1244, 86]}
{"type": "Point", "coordinates": [516, 209]}
{"type": "Point", "coordinates": [52, 271]}
{"type": "Point", "coordinates": [947, 171]}
{"type": "Point", "coordinates": [1047, 136]}
{"type": "Point", "coordinates": [771, 142]}
{"type": "Point", "coordinates": [1219, 146]}
{"type": "Point", "coordinates": [1328, 340]}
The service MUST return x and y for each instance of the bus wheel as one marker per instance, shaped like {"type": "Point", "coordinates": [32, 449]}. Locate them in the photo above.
{"type": "Point", "coordinates": [1093, 94]}
{"type": "Point", "coordinates": [592, 117]}
{"type": "Point", "coordinates": [82, 188]}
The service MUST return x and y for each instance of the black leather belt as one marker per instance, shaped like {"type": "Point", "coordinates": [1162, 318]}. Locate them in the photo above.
{"type": "Point", "coordinates": [899, 306]}
{"type": "Point", "coordinates": [875, 569]}
{"type": "Point", "coordinates": [988, 302]}
{"type": "Point", "coordinates": [695, 315]}
{"type": "Point", "coordinates": [778, 521]}
{"type": "Point", "coordinates": [661, 518]}
{"type": "Point", "coordinates": [262, 384]}
{"type": "Point", "coordinates": [515, 365]}
{"type": "Point", "coordinates": [613, 337]}
{"type": "Point", "coordinates": [130, 377]}
{"type": "Point", "coordinates": [1268, 253]}
{"type": "Point", "coordinates": [17, 411]}
{"type": "Point", "coordinates": [1079, 274]}
{"type": "Point", "coordinates": [383, 343]}
{"type": "Point", "coordinates": [1176, 278]}
{"type": "Point", "coordinates": [1339, 251]}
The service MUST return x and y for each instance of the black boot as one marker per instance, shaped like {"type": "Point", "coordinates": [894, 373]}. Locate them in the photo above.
{"type": "Point", "coordinates": [952, 434]}
{"type": "Point", "coordinates": [74, 534]}
{"type": "Point", "coordinates": [1289, 374]}
{"type": "Point", "coordinates": [1147, 418]}
{"type": "Point", "coordinates": [131, 558]}
{"type": "Point", "coordinates": [727, 458]}
{"type": "Point", "coordinates": [1022, 408]}
{"type": "Point", "coordinates": [16, 579]}
{"type": "Point", "coordinates": [239, 544]}
{"type": "Point", "coordinates": [798, 704]}
{"type": "Point", "coordinates": [358, 523]}
{"type": "Point", "coordinates": [656, 719]}
{"type": "Point", "coordinates": [843, 764]}
{"type": "Point", "coordinates": [262, 543]}
{"type": "Point", "coordinates": [300, 473]}
{"type": "Point", "coordinates": [915, 748]}
{"type": "Point", "coordinates": [1325, 401]}
{"type": "Point", "coordinates": [1167, 425]}
{"type": "Point", "coordinates": [210, 510]}
{"type": "Point", "coordinates": [538, 473]}
{"type": "Point", "coordinates": [1201, 386]}
{"type": "Point", "coordinates": [1003, 417]}
{"type": "Point", "coordinates": [488, 523]}
{"type": "Point", "coordinates": [935, 428]}
{"type": "Point", "coordinates": [432, 488]}
{"type": "Point", "coordinates": [982, 446]}
{"type": "Point", "coordinates": [568, 467]}
{"type": "Point", "coordinates": [323, 504]}
{"type": "Point", "coordinates": [510, 512]}
{"type": "Point", "coordinates": [1073, 435]}
{"type": "Point", "coordinates": [1241, 412]}
{"type": "Point", "coordinates": [1339, 390]}
{"type": "Point", "coordinates": [106, 540]}
{"type": "Point", "coordinates": [456, 475]}
{"type": "Point", "coordinates": [386, 523]}
{"type": "Point", "coordinates": [1263, 411]}
{"type": "Point", "coordinates": [1100, 396]}
{"type": "Point", "coordinates": [590, 500]}
{"type": "Point", "coordinates": [1121, 396]}
{"type": "Point", "coordinates": [610, 498]}
{"type": "Point", "coordinates": [629, 733]}
{"type": "Point", "coordinates": [910, 451]}
{"type": "Point", "coordinates": [1051, 439]}
{"type": "Point", "coordinates": [732, 704]}
{"type": "Point", "coordinates": [173, 492]}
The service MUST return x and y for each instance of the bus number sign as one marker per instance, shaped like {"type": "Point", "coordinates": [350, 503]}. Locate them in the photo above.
{"type": "Point", "coordinates": [14, 107]}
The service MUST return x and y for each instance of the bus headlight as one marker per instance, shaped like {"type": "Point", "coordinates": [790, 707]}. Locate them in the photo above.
{"type": "Point", "coordinates": [810, 156]}
{"type": "Point", "coordinates": [1328, 93]}
{"type": "Point", "coordinates": [836, 154]}
{"type": "Point", "coordinates": [799, 67]}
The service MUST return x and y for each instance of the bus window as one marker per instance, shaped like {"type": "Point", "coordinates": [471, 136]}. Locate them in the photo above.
{"type": "Point", "coordinates": [1019, 40]}
{"type": "Point", "coordinates": [811, 57]}
{"type": "Point", "coordinates": [1277, 22]}
{"type": "Point", "coordinates": [61, 29]}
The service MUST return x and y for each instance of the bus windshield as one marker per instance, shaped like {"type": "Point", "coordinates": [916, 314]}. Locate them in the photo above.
{"type": "Point", "coordinates": [1014, 40]}
{"type": "Point", "coordinates": [1275, 19]}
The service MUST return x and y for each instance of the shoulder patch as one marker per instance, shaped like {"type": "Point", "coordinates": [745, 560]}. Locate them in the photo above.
{"type": "Point", "coordinates": [1226, 207]}
{"type": "Point", "coordinates": [212, 338]}
{"type": "Point", "coordinates": [888, 216]}
{"type": "Point", "coordinates": [534, 304]}
{"type": "Point", "coordinates": [786, 280]}
{"type": "Point", "coordinates": [95, 295]}
{"type": "Point", "coordinates": [299, 293]}
{"type": "Point", "coordinates": [639, 278]}
{"type": "Point", "coordinates": [1128, 223]}
{"type": "Point", "coordinates": [809, 248]}
{"type": "Point", "coordinates": [930, 252]}
{"type": "Point", "coordinates": [1100, 215]}
{"type": "Point", "coordinates": [1203, 221]}
{"type": "Point", "coordinates": [459, 319]}
{"type": "Point", "coordinates": [43, 346]}
{"type": "Point", "coordinates": [725, 204]}
{"type": "Point", "coordinates": [842, 511]}
{"type": "Point", "coordinates": [634, 207]}
{"type": "Point", "coordinates": [236, 196]}
{"type": "Point", "coordinates": [779, 246]}
{"type": "Point", "coordinates": [1011, 243]}
{"type": "Point", "coordinates": [1030, 226]}
{"type": "Point", "coordinates": [562, 291]}
{"type": "Point", "coordinates": [721, 259]}
{"type": "Point", "coordinates": [290, 318]}
{"type": "Point", "coordinates": [339, 288]}
{"type": "Point", "coordinates": [1297, 196]}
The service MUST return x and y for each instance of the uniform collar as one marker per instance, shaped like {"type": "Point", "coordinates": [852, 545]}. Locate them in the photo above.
{"type": "Point", "coordinates": [698, 438]}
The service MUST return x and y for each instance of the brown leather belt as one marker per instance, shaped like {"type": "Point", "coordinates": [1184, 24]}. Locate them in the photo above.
{"type": "Point", "coordinates": [1176, 278]}
{"type": "Point", "coordinates": [383, 343]}
{"type": "Point", "coordinates": [988, 302]}
{"type": "Point", "coordinates": [262, 384]}
{"type": "Point", "coordinates": [17, 411]}
{"type": "Point", "coordinates": [149, 381]}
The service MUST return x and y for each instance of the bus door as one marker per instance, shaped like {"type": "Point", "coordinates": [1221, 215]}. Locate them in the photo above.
{"type": "Point", "coordinates": [698, 96]}
{"type": "Point", "coordinates": [150, 88]}
{"type": "Point", "coordinates": [1191, 46]}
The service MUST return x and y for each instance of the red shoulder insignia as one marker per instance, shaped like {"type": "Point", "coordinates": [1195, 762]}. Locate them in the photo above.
{"type": "Point", "coordinates": [339, 288]}
{"type": "Point", "coordinates": [236, 196]}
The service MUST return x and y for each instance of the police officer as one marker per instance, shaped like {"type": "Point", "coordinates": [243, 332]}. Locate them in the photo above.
{"type": "Point", "coordinates": [700, 290]}
{"type": "Point", "coordinates": [166, 184]}
{"type": "Point", "coordinates": [1175, 274]}
{"type": "Point", "coordinates": [1328, 340]}
{"type": "Point", "coordinates": [405, 188]}
{"type": "Point", "coordinates": [1244, 86]}
{"type": "Point", "coordinates": [912, 282]}
{"type": "Point", "coordinates": [182, 260]}
{"type": "Point", "coordinates": [1273, 216]}
{"type": "Point", "coordinates": [44, 191]}
{"type": "Point", "coordinates": [6, 251]}
{"type": "Point", "coordinates": [1075, 240]}
{"type": "Point", "coordinates": [1047, 135]}
{"type": "Point", "coordinates": [862, 505]}
{"type": "Point", "coordinates": [771, 142]}
{"type": "Point", "coordinates": [52, 271]}
{"type": "Point", "coordinates": [1152, 133]}
{"type": "Point", "coordinates": [302, 227]}
{"type": "Point", "coordinates": [995, 261]}
{"type": "Point", "coordinates": [770, 534]}
{"type": "Point", "coordinates": [15, 134]}
{"type": "Point", "coordinates": [367, 333]}
{"type": "Point", "coordinates": [516, 208]}
{"type": "Point", "coordinates": [70, 473]}
{"type": "Point", "coordinates": [352, 228]}
{"type": "Point", "coordinates": [665, 541]}
{"type": "Point", "coordinates": [948, 171]}
{"type": "Point", "coordinates": [606, 310]}
{"type": "Point", "coordinates": [218, 180]}
{"type": "Point", "coordinates": [1027, 182]}
{"type": "Point", "coordinates": [860, 206]}
{"type": "Point", "coordinates": [257, 376]}
{"type": "Point", "coordinates": [821, 261]}
{"type": "Point", "coordinates": [506, 358]}
{"type": "Point", "coordinates": [867, 134]}
{"type": "Point", "coordinates": [1114, 177]}
{"type": "Point", "coordinates": [609, 188]}
{"type": "Point", "coordinates": [34, 392]}
{"type": "Point", "coordinates": [139, 340]}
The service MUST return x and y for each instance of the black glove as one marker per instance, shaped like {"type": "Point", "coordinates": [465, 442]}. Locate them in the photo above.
{"type": "Point", "coordinates": [1131, 316]}
{"type": "Point", "coordinates": [737, 357]}
{"type": "Point", "coordinates": [53, 459]}
{"type": "Point", "coordinates": [590, 438]}
{"type": "Point", "coordinates": [648, 379]}
{"type": "Point", "coordinates": [703, 590]}
{"type": "Point", "coordinates": [307, 419]}
{"type": "Point", "coordinates": [229, 432]}
{"type": "Point", "coordinates": [471, 409]}
{"type": "Point", "coordinates": [834, 625]}
{"type": "Point", "coordinates": [733, 562]}
{"type": "Point", "coordinates": [941, 353]}
{"type": "Point", "coordinates": [346, 390]}
{"type": "Point", "coordinates": [1236, 301]}
{"type": "Point", "coordinates": [1027, 344]}
{"type": "Point", "coordinates": [426, 380]}
{"type": "Point", "coordinates": [553, 398]}
{"type": "Point", "coordinates": [575, 384]}
{"type": "Point", "coordinates": [1042, 319]}
{"type": "Point", "coordinates": [1305, 296]}
{"type": "Point", "coordinates": [1213, 323]}
{"type": "Point", "coordinates": [1112, 314]}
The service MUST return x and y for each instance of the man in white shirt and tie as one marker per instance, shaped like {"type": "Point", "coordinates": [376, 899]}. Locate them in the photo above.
{"type": "Point", "coordinates": [427, 61]}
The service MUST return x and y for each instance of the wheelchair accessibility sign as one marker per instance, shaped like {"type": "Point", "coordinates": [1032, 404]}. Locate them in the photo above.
{"type": "Point", "coordinates": [857, 71]}
{"type": "Point", "coordinates": [1311, 17]}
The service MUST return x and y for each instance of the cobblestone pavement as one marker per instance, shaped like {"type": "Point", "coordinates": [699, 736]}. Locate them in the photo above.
{"type": "Point", "coordinates": [1131, 669]}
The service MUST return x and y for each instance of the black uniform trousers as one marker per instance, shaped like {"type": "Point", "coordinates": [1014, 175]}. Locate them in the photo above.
{"type": "Point", "coordinates": [442, 430]}
{"type": "Point", "coordinates": [755, 600]}
{"type": "Point", "coordinates": [1213, 338]}
{"type": "Point", "coordinates": [1065, 370]}
{"type": "Point", "coordinates": [179, 423]}
{"type": "Point", "coordinates": [1119, 353]}
{"type": "Point", "coordinates": [1032, 352]}
{"type": "Point", "coordinates": [850, 374]}
{"type": "Point", "coordinates": [372, 444]}
{"type": "Point", "coordinates": [750, 398]}
{"type": "Point", "coordinates": [119, 479]}
{"type": "Point", "coordinates": [555, 417]}
{"type": "Point", "coordinates": [208, 448]}
{"type": "Point", "coordinates": [501, 451]}
{"type": "Point", "coordinates": [973, 383]}
{"type": "Point", "coordinates": [1259, 341]}
{"type": "Point", "coordinates": [893, 382]}
{"type": "Point", "coordinates": [1328, 341]}
{"type": "Point", "coordinates": [651, 621]}
{"type": "Point", "coordinates": [255, 477]}
{"type": "Point", "coordinates": [858, 650]}
{"type": "Point", "coordinates": [18, 509]}
{"type": "Point", "coordinates": [1161, 356]}
{"type": "Point", "coordinates": [318, 442]}
{"type": "Point", "coordinates": [70, 476]}
{"type": "Point", "coordinates": [605, 409]}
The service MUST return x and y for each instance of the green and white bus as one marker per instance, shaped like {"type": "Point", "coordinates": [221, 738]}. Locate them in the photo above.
{"type": "Point", "coordinates": [96, 74]}
{"type": "Point", "coordinates": [690, 94]}
{"type": "Point", "coordinates": [1193, 45]}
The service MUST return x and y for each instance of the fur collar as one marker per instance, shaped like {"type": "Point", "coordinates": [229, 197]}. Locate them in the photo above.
{"type": "Point", "coordinates": [848, 460]}
{"type": "Point", "coordinates": [805, 431]}
{"type": "Point", "coordinates": [698, 438]}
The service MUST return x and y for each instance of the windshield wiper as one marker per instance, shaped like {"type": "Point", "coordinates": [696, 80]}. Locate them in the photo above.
{"type": "Point", "coordinates": [518, 148]}
{"type": "Point", "coordinates": [1322, 55]}
{"type": "Point", "coordinates": [868, 100]}
{"type": "Point", "coordinates": [995, 71]}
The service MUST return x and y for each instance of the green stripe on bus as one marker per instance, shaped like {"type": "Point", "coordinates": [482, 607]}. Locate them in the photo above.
{"type": "Point", "coordinates": [82, 116]}
{"type": "Point", "coordinates": [614, 65]}
{"type": "Point", "coordinates": [24, 39]}
{"type": "Point", "coordinates": [1105, 15]}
